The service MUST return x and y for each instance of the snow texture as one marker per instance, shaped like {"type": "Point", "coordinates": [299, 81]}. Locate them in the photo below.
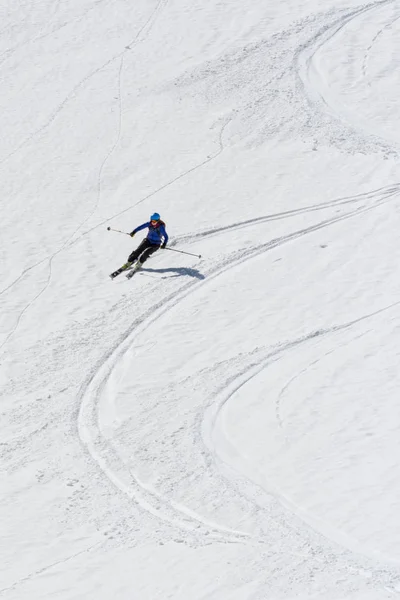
{"type": "Point", "coordinates": [223, 428]}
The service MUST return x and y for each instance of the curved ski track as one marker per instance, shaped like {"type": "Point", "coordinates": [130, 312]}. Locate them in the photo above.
{"type": "Point", "coordinates": [316, 90]}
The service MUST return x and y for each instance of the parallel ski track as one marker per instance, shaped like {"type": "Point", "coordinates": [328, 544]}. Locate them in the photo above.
{"type": "Point", "coordinates": [89, 420]}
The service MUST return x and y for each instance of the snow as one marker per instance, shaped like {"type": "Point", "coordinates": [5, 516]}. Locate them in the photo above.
{"type": "Point", "coordinates": [215, 428]}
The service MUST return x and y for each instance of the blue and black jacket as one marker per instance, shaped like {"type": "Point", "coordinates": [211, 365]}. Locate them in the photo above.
{"type": "Point", "coordinates": [156, 235]}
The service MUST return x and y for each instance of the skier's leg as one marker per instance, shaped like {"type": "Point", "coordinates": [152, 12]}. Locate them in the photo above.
{"type": "Point", "coordinates": [148, 252]}
{"type": "Point", "coordinates": [136, 253]}
{"type": "Point", "coordinates": [142, 258]}
{"type": "Point", "coordinates": [132, 257]}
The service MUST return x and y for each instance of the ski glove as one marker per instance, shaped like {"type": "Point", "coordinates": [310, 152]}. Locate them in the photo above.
{"type": "Point", "coordinates": [132, 234]}
{"type": "Point", "coordinates": [163, 245]}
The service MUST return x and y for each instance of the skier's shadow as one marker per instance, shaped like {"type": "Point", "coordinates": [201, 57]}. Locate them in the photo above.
{"type": "Point", "coordinates": [177, 272]}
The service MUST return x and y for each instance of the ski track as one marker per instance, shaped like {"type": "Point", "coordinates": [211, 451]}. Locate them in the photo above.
{"type": "Point", "coordinates": [89, 421]}
{"type": "Point", "coordinates": [317, 360]}
{"type": "Point", "coordinates": [383, 194]}
{"type": "Point", "coordinates": [317, 91]}
{"type": "Point", "coordinates": [49, 567]}
{"type": "Point", "coordinates": [374, 40]}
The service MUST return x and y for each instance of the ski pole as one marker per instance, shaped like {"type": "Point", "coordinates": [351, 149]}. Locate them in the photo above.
{"type": "Point", "coordinates": [183, 252]}
{"type": "Point", "coordinates": [117, 230]}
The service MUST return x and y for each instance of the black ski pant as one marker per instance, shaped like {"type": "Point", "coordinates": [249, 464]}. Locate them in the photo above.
{"type": "Point", "coordinates": [143, 251]}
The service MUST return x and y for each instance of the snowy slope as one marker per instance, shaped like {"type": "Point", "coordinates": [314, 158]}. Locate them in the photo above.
{"type": "Point", "coordinates": [222, 428]}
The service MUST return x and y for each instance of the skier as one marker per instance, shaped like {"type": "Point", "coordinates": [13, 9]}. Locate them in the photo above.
{"type": "Point", "coordinates": [157, 237]}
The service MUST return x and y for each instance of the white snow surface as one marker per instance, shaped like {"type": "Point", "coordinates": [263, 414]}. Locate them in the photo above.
{"type": "Point", "coordinates": [222, 428]}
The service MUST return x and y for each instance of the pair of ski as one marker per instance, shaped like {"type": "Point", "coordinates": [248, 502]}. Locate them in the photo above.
{"type": "Point", "coordinates": [131, 268]}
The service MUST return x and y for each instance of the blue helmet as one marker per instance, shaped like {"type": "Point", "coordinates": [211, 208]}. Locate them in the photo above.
{"type": "Point", "coordinates": [155, 217]}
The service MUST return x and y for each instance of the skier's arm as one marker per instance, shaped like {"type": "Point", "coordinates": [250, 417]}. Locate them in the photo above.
{"type": "Point", "coordinates": [139, 228]}
{"type": "Point", "coordinates": [165, 236]}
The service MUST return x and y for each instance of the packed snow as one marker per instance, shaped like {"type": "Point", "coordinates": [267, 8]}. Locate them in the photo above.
{"type": "Point", "coordinates": [215, 428]}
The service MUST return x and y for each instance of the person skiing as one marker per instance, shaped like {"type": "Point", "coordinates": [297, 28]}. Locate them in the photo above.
{"type": "Point", "coordinates": [156, 238]}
